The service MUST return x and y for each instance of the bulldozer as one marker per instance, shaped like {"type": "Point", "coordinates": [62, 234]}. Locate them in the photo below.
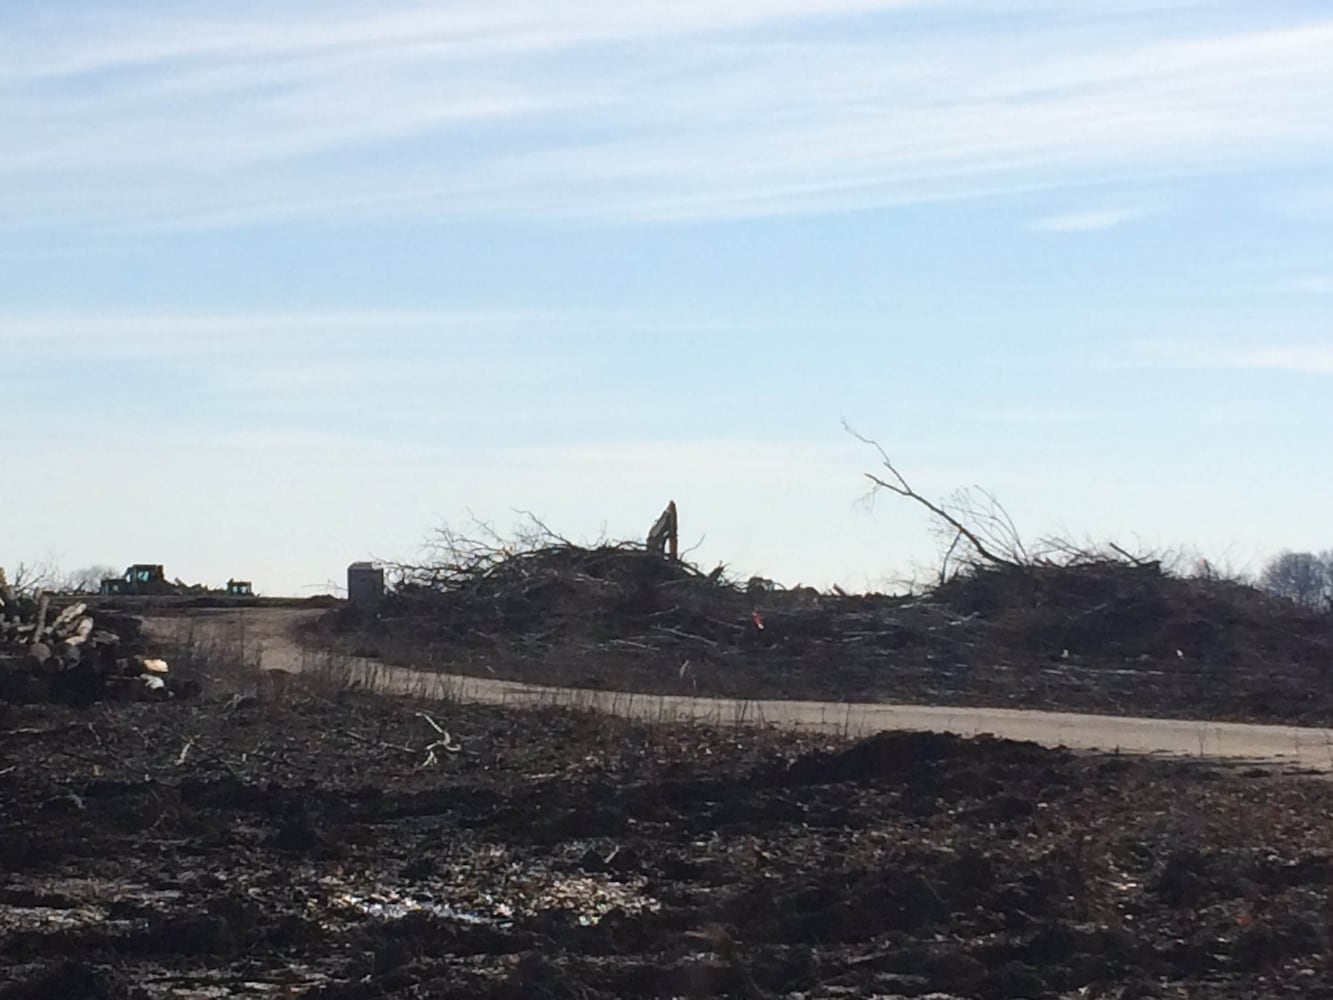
{"type": "Point", "coordinates": [141, 579]}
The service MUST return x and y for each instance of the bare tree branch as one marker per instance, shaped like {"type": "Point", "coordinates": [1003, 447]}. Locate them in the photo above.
{"type": "Point", "coordinates": [897, 483]}
{"type": "Point", "coordinates": [948, 554]}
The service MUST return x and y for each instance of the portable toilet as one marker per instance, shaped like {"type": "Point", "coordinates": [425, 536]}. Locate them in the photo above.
{"type": "Point", "coordinates": [365, 585]}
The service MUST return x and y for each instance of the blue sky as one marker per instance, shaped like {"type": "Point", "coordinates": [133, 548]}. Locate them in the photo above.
{"type": "Point", "coordinates": [282, 288]}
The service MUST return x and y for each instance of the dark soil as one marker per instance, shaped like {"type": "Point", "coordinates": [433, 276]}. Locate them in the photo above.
{"type": "Point", "coordinates": [312, 849]}
{"type": "Point", "coordinates": [1096, 636]}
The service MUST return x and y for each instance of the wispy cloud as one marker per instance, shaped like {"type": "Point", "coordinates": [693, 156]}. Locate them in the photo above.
{"type": "Point", "coordinates": [1311, 359]}
{"type": "Point", "coordinates": [1034, 415]}
{"type": "Point", "coordinates": [170, 334]}
{"type": "Point", "coordinates": [112, 41]}
{"type": "Point", "coordinates": [1301, 359]}
{"type": "Point", "coordinates": [1318, 284]}
{"type": "Point", "coordinates": [1313, 203]}
{"type": "Point", "coordinates": [616, 111]}
{"type": "Point", "coordinates": [1087, 222]}
{"type": "Point", "coordinates": [467, 377]}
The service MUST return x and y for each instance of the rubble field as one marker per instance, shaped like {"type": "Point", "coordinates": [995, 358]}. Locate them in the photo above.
{"type": "Point", "coordinates": [356, 847]}
{"type": "Point", "coordinates": [1093, 635]}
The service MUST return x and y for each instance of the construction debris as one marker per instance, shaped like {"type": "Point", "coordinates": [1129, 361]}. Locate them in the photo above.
{"type": "Point", "coordinates": [70, 655]}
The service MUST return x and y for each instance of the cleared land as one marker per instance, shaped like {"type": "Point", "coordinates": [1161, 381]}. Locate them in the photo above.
{"type": "Point", "coordinates": [291, 832]}
{"type": "Point", "coordinates": [317, 847]}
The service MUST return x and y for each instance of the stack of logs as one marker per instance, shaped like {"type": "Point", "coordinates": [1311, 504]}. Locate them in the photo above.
{"type": "Point", "coordinates": [50, 653]}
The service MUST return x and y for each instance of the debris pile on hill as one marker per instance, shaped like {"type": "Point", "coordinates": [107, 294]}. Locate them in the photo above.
{"type": "Point", "coordinates": [624, 594]}
{"type": "Point", "coordinates": [1099, 607]}
{"type": "Point", "coordinates": [626, 597]}
{"type": "Point", "coordinates": [1090, 634]}
{"type": "Point", "coordinates": [66, 654]}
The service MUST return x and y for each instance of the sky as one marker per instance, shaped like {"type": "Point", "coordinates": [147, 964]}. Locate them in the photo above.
{"type": "Point", "coordinates": [288, 286]}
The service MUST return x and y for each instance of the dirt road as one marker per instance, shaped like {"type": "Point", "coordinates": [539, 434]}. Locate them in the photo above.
{"type": "Point", "coordinates": [269, 637]}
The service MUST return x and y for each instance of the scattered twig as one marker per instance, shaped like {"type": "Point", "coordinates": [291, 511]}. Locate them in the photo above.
{"type": "Point", "coordinates": [684, 635]}
{"type": "Point", "coordinates": [433, 724]}
{"type": "Point", "coordinates": [379, 743]}
{"type": "Point", "coordinates": [1132, 558]}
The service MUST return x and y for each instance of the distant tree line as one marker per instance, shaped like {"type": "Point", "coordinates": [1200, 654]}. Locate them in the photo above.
{"type": "Point", "coordinates": [1303, 577]}
{"type": "Point", "coordinates": [30, 578]}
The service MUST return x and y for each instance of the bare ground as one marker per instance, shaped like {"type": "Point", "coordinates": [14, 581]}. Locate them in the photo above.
{"type": "Point", "coordinates": [306, 846]}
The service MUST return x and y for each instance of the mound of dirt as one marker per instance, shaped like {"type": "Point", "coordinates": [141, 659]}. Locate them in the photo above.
{"type": "Point", "coordinates": [908, 756]}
